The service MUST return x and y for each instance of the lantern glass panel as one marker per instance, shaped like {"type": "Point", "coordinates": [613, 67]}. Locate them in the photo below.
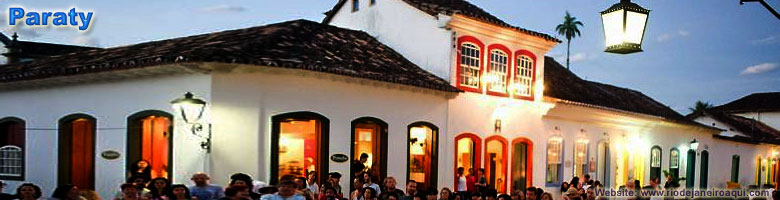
{"type": "Point", "coordinates": [635, 27]}
{"type": "Point", "coordinates": [191, 111]}
{"type": "Point", "coordinates": [613, 27]}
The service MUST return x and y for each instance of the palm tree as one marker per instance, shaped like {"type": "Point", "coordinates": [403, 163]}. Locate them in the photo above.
{"type": "Point", "coordinates": [570, 30]}
{"type": "Point", "coordinates": [700, 107]}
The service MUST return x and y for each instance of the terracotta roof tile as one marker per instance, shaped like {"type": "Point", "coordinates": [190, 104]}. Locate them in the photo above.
{"type": "Point", "coordinates": [756, 102]}
{"type": "Point", "coordinates": [298, 44]}
{"type": "Point", "coordinates": [563, 84]}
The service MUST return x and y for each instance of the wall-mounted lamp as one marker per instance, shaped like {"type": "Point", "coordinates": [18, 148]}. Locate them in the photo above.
{"type": "Point", "coordinates": [694, 144]}
{"type": "Point", "coordinates": [191, 111]}
{"type": "Point", "coordinates": [497, 126]}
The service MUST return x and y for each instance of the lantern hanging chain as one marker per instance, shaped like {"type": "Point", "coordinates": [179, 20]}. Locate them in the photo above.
{"type": "Point", "coordinates": [766, 5]}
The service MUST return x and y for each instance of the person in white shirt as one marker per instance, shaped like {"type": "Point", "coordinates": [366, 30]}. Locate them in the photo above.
{"type": "Point", "coordinates": [369, 182]}
{"type": "Point", "coordinates": [461, 184]}
{"type": "Point", "coordinates": [311, 183]}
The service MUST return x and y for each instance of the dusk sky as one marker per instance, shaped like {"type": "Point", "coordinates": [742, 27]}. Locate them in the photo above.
{"type": "Point", "coordinates": [709, 50]}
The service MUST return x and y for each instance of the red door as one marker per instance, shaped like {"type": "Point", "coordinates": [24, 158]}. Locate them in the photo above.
{"type": "Point", "coordinates": [82, 153]}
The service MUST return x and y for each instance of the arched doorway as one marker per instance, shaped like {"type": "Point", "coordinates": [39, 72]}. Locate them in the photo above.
{"type": "Point", "coordinates": [423, 156]}
{"type": "Point", "coordinates": [299, 144]}
{"type": "Point", "coordinates": [704, 172]}
{"type": "Point", "coordinates": [76, 155]}
{"type": "Point", "coordinates": [150, 138]}
{"type": "Point", "coordinates": [522, 163]}
{"type": "Point", "coordinates": [369, 136]}
{"type": "Point", "coordinates": [495, 162]}
{"type": "Point", "coordinates": [468, 151]}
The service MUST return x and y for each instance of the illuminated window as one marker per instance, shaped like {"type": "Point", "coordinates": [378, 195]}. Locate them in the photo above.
{"type": "Point", "coordinates": [554, 160]}
{"type": "Point", "coordinates": [655, 162]}
{"type": "Point", "coordinates": [370, 137]}
{"type": "Point", "coordinates": [149, 138]}
{"type": "Point", "coordinates": [298, 144]}
{"type": "Point", "coordinates": [467, 152]}
{"type": "Point", "coordinates": [423, 155]}
{"type": "Point", "coordinates": [469, 65]}
{"type": "Point", "coordinates": [355, 5]}
{"type": "Point", "coordinates": [498, 71]}
{"type": "Point", "coordinates": [735, 168]}
{"type": "Point", "coordinates": [495, 162]}
{"type": "Point", "coordinates": [522, 163]}
{"type": "Point", "coordinates": [77, 151]}
{"type": "Point", "coordinates": [524, 73]}
{"type": "Point", "coordinates": [674, 162]}
{"type": "Point", "coordinates": [580, 158]}
{"type": "Point", "coordinates": [12, 149]}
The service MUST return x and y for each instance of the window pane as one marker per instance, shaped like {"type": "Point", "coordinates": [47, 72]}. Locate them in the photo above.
{"type": "Point", "coordinates": [498, 71]}
{"type": "Point", "coordinates": [554, 158]}
{"type": "Point", "coordinates": [523, 81]}
{"type": "Point", "coordinates": [580, 157]}
{"type": "Point", "coordinates": [298, 147]}
{"type": "Point", "coordinates": [469, 65]}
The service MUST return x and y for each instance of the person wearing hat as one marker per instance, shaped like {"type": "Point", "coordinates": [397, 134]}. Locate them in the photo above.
{"type": "Point", "coordinates": [571, 194]}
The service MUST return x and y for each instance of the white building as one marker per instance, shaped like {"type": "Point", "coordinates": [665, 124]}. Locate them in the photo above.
{"type": "Point", "coordinates": [422, 87]}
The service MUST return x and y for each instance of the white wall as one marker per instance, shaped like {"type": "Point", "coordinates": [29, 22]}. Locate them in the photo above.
{"type": "Point", "coordinates": [409, 31]}
{"type": "Point", "coordinates": [245, 102]}
{"type": "Point", "coordinates": [110, 103]}
{"type": "Point", "coordinates": [769, 118]}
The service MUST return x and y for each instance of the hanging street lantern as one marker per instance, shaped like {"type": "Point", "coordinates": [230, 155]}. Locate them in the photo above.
{"type": "Point", "coordinates": [694, 144]}
{"type": "Point", "coordinates": [624, 27]}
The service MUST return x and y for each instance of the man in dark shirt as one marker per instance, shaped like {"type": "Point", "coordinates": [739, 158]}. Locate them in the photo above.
{"type": "Point", "coordinates": [411, 190]}
{"type": "Point", "coordinates": [358, 165]}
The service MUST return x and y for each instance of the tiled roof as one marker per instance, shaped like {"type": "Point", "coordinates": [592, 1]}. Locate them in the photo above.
{"type": "Point", "coordinates": [756, 130]}
{"type": "Point", "coordinates": [561, 83]}
{"type": "Point", "coordinates": [450, 7]}
{"type": "Point", "coordinates": [756, 102]}
{"type": "Point", "coordinates": [299, 44]}
{"type": "Point", "coordinates": [29, 49]}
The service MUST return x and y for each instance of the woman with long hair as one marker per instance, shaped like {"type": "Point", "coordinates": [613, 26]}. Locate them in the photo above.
{"type": "Point", "coordinates": [28, 191]}
{"type": "Point", "coordinates": [369, 193]}
{"type": "Point", "coordinates": [141, 168]}
{"type": "Point", "coordinates": [158, 188]}
{"type": "Point", "coordinates": [179, 192]}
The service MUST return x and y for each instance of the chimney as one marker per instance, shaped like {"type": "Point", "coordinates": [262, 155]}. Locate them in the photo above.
{"type": "Point", "coordinates": [14, 50]}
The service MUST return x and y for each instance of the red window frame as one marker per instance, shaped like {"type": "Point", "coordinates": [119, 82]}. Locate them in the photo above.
{"type": "Point", "coordinates": [531, 55]}
{"type": "Point", "coordinates": [509, 66]}
{"type": "Point", "coordinates": [529, 161]}
{"type": "Point", "coordinates": [477, 154]}
{"type": "Point", "coordinates": [474, 40]}
{"type": "Point", "coordinates": [504, 144]}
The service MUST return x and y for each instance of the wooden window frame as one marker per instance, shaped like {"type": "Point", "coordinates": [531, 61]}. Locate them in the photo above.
{"type": "Point", "coordinates": [660, 162]}
{"type": "Point", "coordinates": [476, 42]}
{"type": "Point", "coordinates": [676, 171]}
{"type": "Point", "coordinates": [561, 155]}
{"type": "Point", "coordinates": [355, 5]}
{"type": "Point", "coordinates": [534, 62]}
{"type": "Point", "coordinates": [22, 145]}
{"type": "Point", "coordinates": [488, 69]}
